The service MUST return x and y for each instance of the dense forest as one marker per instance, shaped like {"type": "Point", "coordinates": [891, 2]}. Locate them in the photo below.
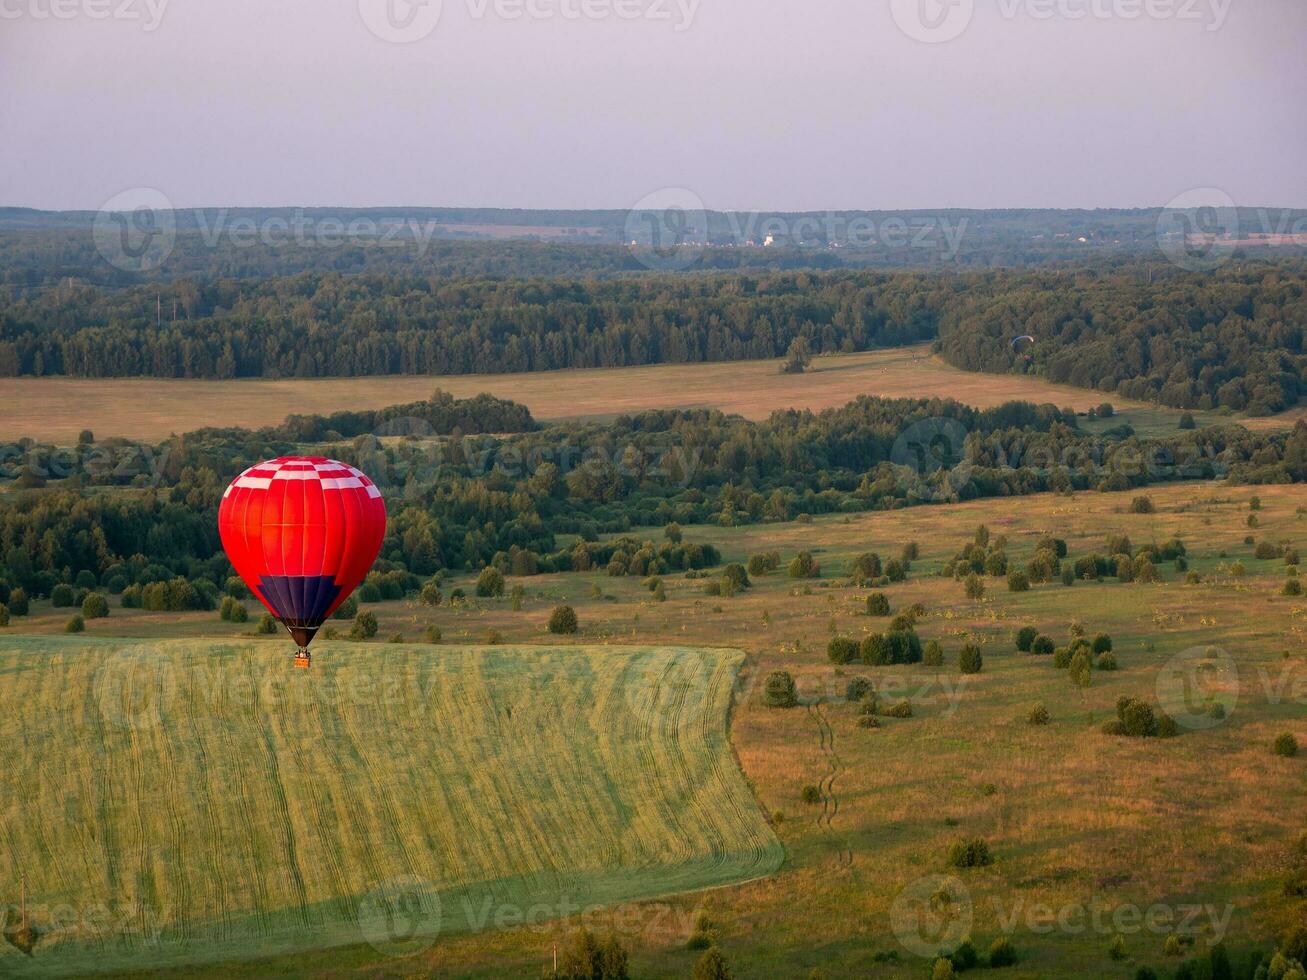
{"type": "Point", "coordinates": [39, 249]}
{"type": "Point", "coordinates": [1233, 338]}
{"type": "Point", "coordinates": [90, 513]}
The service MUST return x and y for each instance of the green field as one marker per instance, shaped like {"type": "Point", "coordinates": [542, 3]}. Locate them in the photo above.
{"type": "Point", "coordinates": [175, 801]}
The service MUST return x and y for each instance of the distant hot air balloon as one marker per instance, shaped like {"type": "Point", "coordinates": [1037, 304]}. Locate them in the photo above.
{"type": "Point", "coordinates": [302, 531]}
{"type": "Point", "coordinates": [1021, 345]}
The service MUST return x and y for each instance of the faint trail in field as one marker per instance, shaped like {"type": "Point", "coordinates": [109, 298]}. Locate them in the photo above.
{"type": "Point", "coordinates": [830, 802]}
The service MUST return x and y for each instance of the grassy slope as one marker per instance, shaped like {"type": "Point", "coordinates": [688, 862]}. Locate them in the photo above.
{"type": "Point", "coordinates": [183, 800]}
{"type": "Point", "coordinates": [57, 409]}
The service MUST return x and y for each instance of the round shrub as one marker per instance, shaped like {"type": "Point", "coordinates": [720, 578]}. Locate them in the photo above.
{"type": "Point", "coordinates": [803, 566]}
{"type": "Point", "coordinates": [933, 655]}
{"type": "Point", "coordinates": [901, 710]}
{"type": "Point", "coordinates": [562, 620]}
{"type": "Point", "coordinates": [1106, 661]}
{"type": "Point", "coordinates": [238, 613]}
{"type": "Point", "coordinates": [365, 626]}
{"type": "Point", "coordinates": [877, 604]}
{"type": "Point", "coordinates": [1002, 953]}
{"type": "Point", "coordinates": [61, 596]}
{"type": "Point", "coordinates": [842, 650]}
{"type": "Point", "coordinates": [1026, 637]}
{"type": "Point", "coordinates": [1102, 643]}
{"type": "Point", "coordinates": [1038, 715]}
{"type": "Point", "coordinates": [347, 609]}
{"type": "Point", "coordinates": [490, 582]}
{"type": "Point", "coordinates": [943, 970]}
{"type": "Point", "coordinates": [1062, 658]}
{"type": "Point", "coordinates": [975, 587]}
{"type": "Point", "coordinates": [1291, 587]}
{"type": "Point", "coordinates": [868, 721]}
{"type": "Point", "coordinates": [1018, 582]}
{"type": "Point", "coordinates": [859, 688]}
{"type": "Point", "coordinates": [1043, 645]}
{"type": "Point", "coordinates": [970, 660]}
{"type": "Point", "coordinates": [779, 690]}
{"type": "Point", "coordinates": [95, 606]}
{"type": "Point", "coordinates": [1285, 745]}
{"type": "Point", "coordinates": [1138, 717]}
{"type": "Point", "coordinates": [970, 852]}
{"type": "Point", "coordinates": [267, 625]}
{"type": "Point", "coordinates": [19, 604]}
{"type": "Point", "coordinates": [810, 795]}
{"type": "Point", "coordinates": [75, 625]}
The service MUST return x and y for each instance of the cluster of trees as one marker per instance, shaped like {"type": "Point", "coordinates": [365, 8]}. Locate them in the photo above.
{"type": "Point", "coordinates": [1232, 339]}
{"type": "Point", "coordinates": [328, 325]}
{"type": "Point", "coordinates": [462, 502]}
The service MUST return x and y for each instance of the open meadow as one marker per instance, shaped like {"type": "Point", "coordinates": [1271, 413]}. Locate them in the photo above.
{"type": "Point", "coordinates": [180, 801]}
{"type": "Point", "coordinates": [1093, 836]}
{"type": "Point", "coordinates": [57, 409]}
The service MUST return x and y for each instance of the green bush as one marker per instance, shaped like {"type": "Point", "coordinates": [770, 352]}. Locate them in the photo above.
{"type": "Point", "coordinates": [975, 587]}
{"type": "Point", "coordinates": [901, 710]}
{"type": "Point", "coordinates": [1002, 953]}
{"type": "Point", "coordinates": [865, 568]}
{"type": "Point", "coordinates": [1018, 582]}
{"type": "Point", "coordinates": [396, 638]}
{"type": "Point", "coordinates": [1285, 745]}
{"type": "Point", "coordinates": [1291, 587]}
{"type": "Point", "coordinates": [1105, 661]}
{"type": "Point", "coordinates": [764, 563]}
{"type": "Point", "coordinates": [779, 690]}
{"type": "Point", "coordinates": [267, 625]}
{"type": "Point", "coordinates": [490, 582]}
{"type": "Point", "coordinates": [965, 957]}
{"type": "Point", "coordinates": [61, 596]}
{"type": "Point", "coordinates": [842, 650]}
{"type": "Point", "coordinates": [347, 609]}
{"type": "Point", "coordinates": [859, 688]}
{"type": "Point", "coordinates": [1062, 658]}
{"type": "Point", "coordinates": [877, 604]}
{"type": "Point", "coordinates": [95, 606]}
{"type": "Point", "coordinates": [1038, 715]}
{"type": "Point", "coordinates": [1026, 637]}
{"type": "Point", "coordinates": [1068, 576]}
{"type": "Point", "coordinates": [803, 566]}
{"type": "Point", "coordinates": [1043, 645]}
{"type": "Point", "coordinates": [970, 852]}
{"type": "Point", "coordinates": [562, 620]}
{"type": "Point", "coordinates": [943, 970]}
{"type": "Point", "coordinates": [711, 966]}
{"type": "Point", "coordinates": [4, 614]}
{"type": "Point", "coordinates": [19, 604]}
{"type": "Point", "coordinates": [75, 625]}
{"type": "Point", "coordinates": [1142, 505]}
{"type": "Point", "coordinates": [365, 626]}
{"type": "Point", "coordinates": [1081, 667]}
{"type": "Point", "coordinates": [1102, 643]}
{"type": "Point", "coordinates": [810, 795]}
{"type": "Point", "coordinates": [430, 595]}
{"type": "Point", "coordinates": [933, 655]}
{"type": "Point", "coordinates": [970, 660]}
{"type": "Point", "coordinates": [874, 650]}
{"type": "Point", "coordinates": [433, 634]}
{"type": "Point", "coordinates": [1137, 717]}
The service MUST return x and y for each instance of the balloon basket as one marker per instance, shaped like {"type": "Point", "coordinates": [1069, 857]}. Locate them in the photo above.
{"type": "Point", "coordinates": [302, 659]}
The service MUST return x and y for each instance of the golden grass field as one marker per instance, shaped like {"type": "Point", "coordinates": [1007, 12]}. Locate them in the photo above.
{"type": "Point", "coordinates": [1075, 818]}
{"type": "Point", "coordinates": [57, 409]}
{"type": "Point", "coordinates": [174, 801]}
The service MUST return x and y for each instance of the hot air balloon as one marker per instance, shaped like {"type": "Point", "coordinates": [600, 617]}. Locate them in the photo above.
{"type": "Point", "coordinates": [302, 531]}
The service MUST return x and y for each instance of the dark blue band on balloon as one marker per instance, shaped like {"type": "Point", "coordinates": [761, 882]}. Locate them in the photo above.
{"type": "Point", "coordinates": [300, 599]}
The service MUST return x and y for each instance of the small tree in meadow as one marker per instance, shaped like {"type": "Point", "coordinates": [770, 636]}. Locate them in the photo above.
{"type": "Point", "coordinates": [779, 690]}
{"type": "Point", "coordinates": [364, 628]}
{"type": "Point", "coordinates": [490, 582]}
{"type": "Point", "coordinates": [562, 620]}
{"type": "Point", "coordinates": [975, 586]}
{"type": "Point", "coordinates": [1026, 638]}
{"type": "Point", "coordinates": [970, 660]}
{"type": "Point", "coordinates": [95, 606]}
{"type": "Point", "coordinates": [878, 604]}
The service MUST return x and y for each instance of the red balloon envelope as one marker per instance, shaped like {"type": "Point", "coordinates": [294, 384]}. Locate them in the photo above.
{"type": "Point", "coordinates": [302, 532]}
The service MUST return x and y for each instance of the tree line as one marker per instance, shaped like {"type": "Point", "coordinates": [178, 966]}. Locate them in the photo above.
{"type": "Point", "coordinates": [1232, 339]}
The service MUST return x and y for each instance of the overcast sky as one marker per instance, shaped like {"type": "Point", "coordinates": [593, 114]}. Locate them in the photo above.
{"type": "Point", "coordinates": [779, 104]}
